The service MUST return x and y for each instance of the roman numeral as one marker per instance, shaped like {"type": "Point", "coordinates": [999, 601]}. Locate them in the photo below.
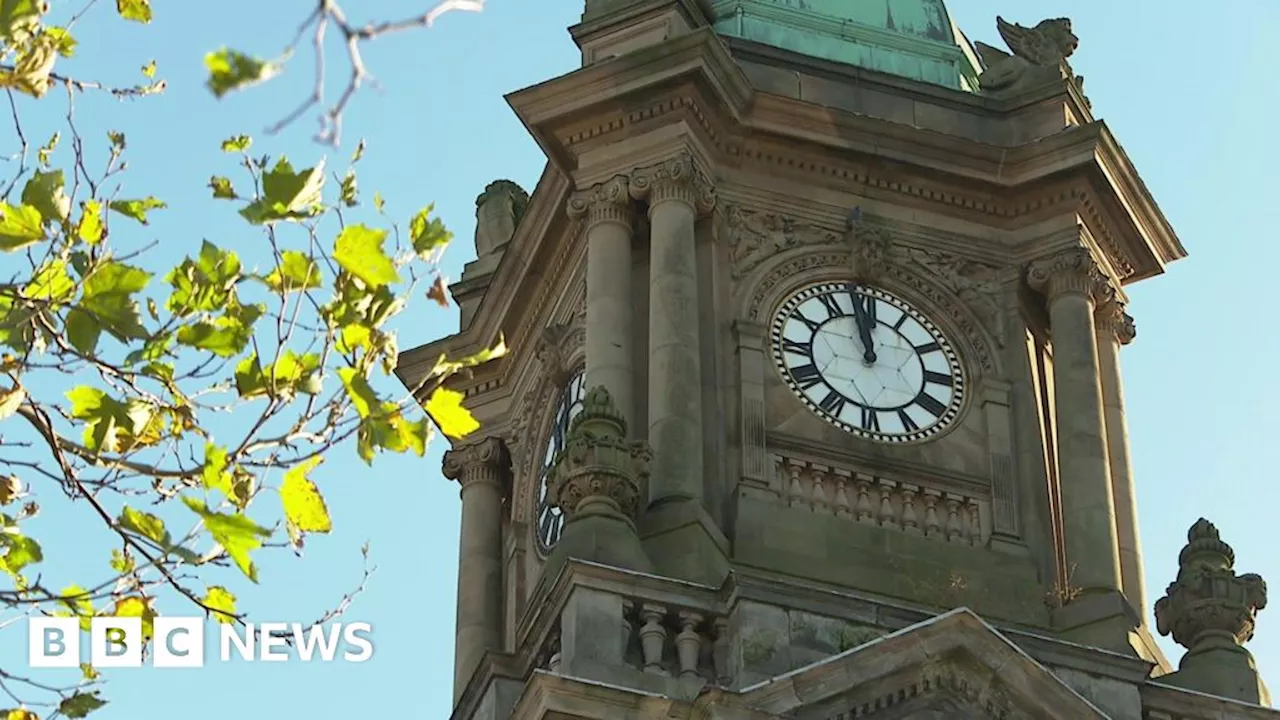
{"type": "Point", "coordinates": [870, 419]}
{"type": "Point", "coordinates": [813, 326]}
{"type": "Point", "coordinates": [907, 423]}
{"type": "Point", "coordinates": [930, 404]}
{"type": "Point", "coordinates": [833, 308]}
{"type": "Point", "coordinates": [869, 307]}
{"type": "Point", "coordinates": [927, 348]}
{"type": "Point", "coordinates": [901, 321]}
{"type": "Point", "coordinates": [793, 346]}
{"type": "Point", "coordinates": [938, 378]}
{"type": "Point", "coordinates": [833, 403]}
{"type": "Point", "coordinates": [806, 376]}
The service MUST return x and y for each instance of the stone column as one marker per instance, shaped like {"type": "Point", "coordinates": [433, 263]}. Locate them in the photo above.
{"type": "Point", "coordinates": [479, 467]}
{"type": "Point", "coordinates": [1115, 328]}
{"type": "Point", "coordinates": [1070, 281]}
{"type": "Point", "coordinates": [606, 208]}
{"type": "Point", "coordinates": [676, 193]}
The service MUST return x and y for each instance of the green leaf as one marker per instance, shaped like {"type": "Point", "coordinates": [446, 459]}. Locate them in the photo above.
{"type": "Point", "coordinates": [287, 195]}
{"type": "Point", "coordinates": [428, 235]}
{"type": "Point", "coordinates": [349, 193]}
{"type": "Point", "coordinates": [149, 70]}
{"type": "Point", "coordinates": [358, 389]}
{"type": "Point", "coordinates": [62, 40]}
{"type": "Point", "coordinates": [358, 249]}
{"type": "Point", "coordinates": [45, 192]}
{"type": "Point", "coordinates": [21, 551]}
{"type": "Point", "coordinates": [19, 226]}
{"type": "Point", "coordinates": [445, 367]}
{"type": "Point", "coordinates": [237, 143]}
{"type": "Point", "coordinates": [107, 303]}
{"type": "Point", "coordinates": [145, 524]}
{"type": "Point", "coordinates": [19, 18]}
{"type": "Point", "coordinates": [304, 506]}
{"type": "Point", "coordinates": [214, 474]}
{"type": "Point", "coordinates": [135, 10]}
{"type": "Point", "coordinates": [46, 150]}
{"type": "Point", "coordinates": [237, 534]}
{"type": "Point", "coordinates": [140, 608]}
{"type": "Point", "coordinates": [297, 271]}
{"type": "Point", "coordinates": [222, 602]}
{"type": "Point", "coordinates": [231, 70]}
{"type": "Point", "coordinates": [117, 140]}
{"type": "Point", "coordinates": [222, 189]}
{"type": "Point", "coordinates": [89, 229]}
{"type": "Point", "coordinates": [88, 672]}
{"type": "Point", "coordinates": [225, 336]}
{"type": "Point", "coordinates": [77, 602]}
{"type": "Point", "coordinates": [120, 562]}
{"type": "Point", "coordinates": [137, 209]}
{"type": "Point", "coordinates": [386, 429]}
{"type": "Point", "coordinates": [204, 284]}
{"type": "Point", "coordinates": [52, 283]}
{"type": "Point", "coordinates": [81, 704]}
{"type": "Point", "coordinates": [445, 407]}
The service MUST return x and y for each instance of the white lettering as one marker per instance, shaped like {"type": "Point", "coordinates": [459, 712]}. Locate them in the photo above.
{"type": "Point", "coordinates": [274, 638]}
{"type": "Point", "coordinates": [357, 634]}
{"type": "Point", "coordinates": [313, 636]}
{"type": "Point", "coordinates": [229, 637]}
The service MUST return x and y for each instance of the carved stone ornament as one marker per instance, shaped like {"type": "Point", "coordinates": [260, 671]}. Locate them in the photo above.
{"type": "Point", "coordinates": [1112, 320]}
{"type": "Point", "coordinates": [1070, 271]}
{"type": "Point", "coordinates": [498, 212]}
{"type": "Point", "coordinates": [870, 248]}
{"type": "Point", "coordinates": [674, 179]}
{"type": "Point", "coordinates": [1039, 55]}
{"type": "Point", "coordinates": [1209, 604]}
{"type": "Point", "coordinates": [598, 471]}
{"type": "Point", "coordinates": [608, 201]}
{"type": "Point", "coordinates": [555, 349]}
{"type": "Point", "coordinates": [480, 461]}
{"type": "Point", "coordinates": [756, 236]}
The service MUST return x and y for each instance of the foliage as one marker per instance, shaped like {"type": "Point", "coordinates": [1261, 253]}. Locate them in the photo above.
{"type": "Point", "coordinates": [117, 378]}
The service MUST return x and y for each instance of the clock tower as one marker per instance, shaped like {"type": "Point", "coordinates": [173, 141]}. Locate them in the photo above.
{"type": "Point", "coordinates": [812, 406]}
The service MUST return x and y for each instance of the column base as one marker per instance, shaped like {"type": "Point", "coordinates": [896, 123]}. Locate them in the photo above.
{"type": "Point", "coordinates": [1227, 672]}
{"type": "Point", "coordinates": [1102, 619]}
{"type": "Point", "coordinates": [685, 543]}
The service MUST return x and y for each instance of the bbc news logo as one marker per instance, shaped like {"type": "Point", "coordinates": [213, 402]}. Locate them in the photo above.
{"type": "Point", "coordinates": [179, 642]}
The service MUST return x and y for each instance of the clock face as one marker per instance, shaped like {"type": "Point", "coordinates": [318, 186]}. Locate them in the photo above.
{"type": "Point", "coordinates": [549, 518]}
{"type": "Point", "coordinates": [867, 362]}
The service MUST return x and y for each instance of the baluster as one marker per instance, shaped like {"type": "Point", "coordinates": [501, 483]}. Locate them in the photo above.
{"type": "Point", "coordinates": [910, 523]}
{"type": "Point", "coordinates": [720, 652]}
{"type": "Point", "coordinates": [932, 527]}
{"type": "Point", "coordinates": [863, 507]}
{"type": "Point", "coordinates": [955, 531]}
{"type": "Point", "coordinates": [818, 495]}
{"type": "Point", "coordinates": [842, 493]}
{"type": "Point", "coordinates": [689, 644]}
{"type": "Point", "coordinates": [653, 637]}
{"type": "Point", "coordinates": [888, 517]}
{"type": "Point", "coordinates": [628, 611]}
{"type": "Point", "coordinates": [975, 523]}
{"type": "Point", "coordinates": [795, 491]}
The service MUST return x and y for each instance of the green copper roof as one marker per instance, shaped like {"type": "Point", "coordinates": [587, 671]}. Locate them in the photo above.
{"type": "Point", "coordinates": [910, 38]}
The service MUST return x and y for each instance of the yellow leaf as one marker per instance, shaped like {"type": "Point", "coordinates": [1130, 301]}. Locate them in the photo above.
{"type": "Point", "coordinates": [304, 507]}
{"type": "Point", "coordinates": [10, 400]}
{"type": "Point", "coordinates": [222, 602]}
{"type": "Point", "coordinates": [445, 407]}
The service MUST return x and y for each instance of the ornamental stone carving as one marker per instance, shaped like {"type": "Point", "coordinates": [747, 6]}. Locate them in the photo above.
{"type": "Point", "coordinates": [674, 179]}
{"type": "Point", "coordinates": [756, 236]}
{"type": "Point", "coordinates": [598, 472]}
{"type": "Point", "coordinates": [1071, 271]}
{"type": "Point", "coordinates": [870, 248]}
{"type": "Point", "coordinates": [556, 347]}
{"type": "Point", "coordinates": [608, 201]}
{"type": "Point", "coordinates": [1209, 604]}
{"type": "Point", "coordinates": [1039, 55]}
{"type": "Point", "coordinates": [1113, 320]}
{"type": "Point", "coordinates": [481, 461]}
{"type": "Point", "coordinates": [498, 212]}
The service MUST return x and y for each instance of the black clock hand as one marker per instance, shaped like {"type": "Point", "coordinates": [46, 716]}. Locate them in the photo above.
{"type": "Point", "coordinates": [864, 330]}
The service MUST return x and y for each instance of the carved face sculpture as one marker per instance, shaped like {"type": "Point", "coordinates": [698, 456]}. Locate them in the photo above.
{"type": "Point", "coordinates": [550, 520]}
{"type": "Point", "coordinates": [867, 362]}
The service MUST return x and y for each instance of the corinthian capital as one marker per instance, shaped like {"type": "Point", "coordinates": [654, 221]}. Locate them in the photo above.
{"type": "Point", "coordinates": [674, 179]}
{"type": "Point", "coordinates": [1110, 317]}
{"type": "Point", "coordinates": [608, 201]}
{"type": "Point", "coordinates": [1072, 271]}
{"type": "Point", "coordinates": [481, 461]}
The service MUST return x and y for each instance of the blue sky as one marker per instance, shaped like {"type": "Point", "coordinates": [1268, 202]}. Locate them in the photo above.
{"type": "Point", "coordinates": [1191, 112]}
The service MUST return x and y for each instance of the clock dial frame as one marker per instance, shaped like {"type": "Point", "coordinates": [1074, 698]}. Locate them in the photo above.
{"type": "Point", "coordinates": [912, 391]}
{"type": "Point", "coordinates": [548, 519]}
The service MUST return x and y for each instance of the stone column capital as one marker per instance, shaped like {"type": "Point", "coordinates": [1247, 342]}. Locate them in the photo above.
{"type": "Point", "coordinates": [1072, 271]}
{"type": "Point", "coordinates": [479, 461]}
{"type": "Point", "coordinates": [609, 201]}
{"type": "Point", "coordinates": [674, 179]}
{"type": "Point", "coordinates": [1112, 321]}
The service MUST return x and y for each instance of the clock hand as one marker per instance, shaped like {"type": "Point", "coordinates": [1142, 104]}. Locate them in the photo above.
{"type": "Point", "coordinates": [864, 331]}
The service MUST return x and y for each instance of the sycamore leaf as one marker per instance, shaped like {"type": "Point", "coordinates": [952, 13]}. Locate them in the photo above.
{"type": "Point", "coordinates": [62, 40]}
{"type": "Point", "coordinates": [89, 229]}
{"type": "Point", "coordinates": [445, 407]}
{"type": "Point", "coordinates": [445, 367]}
{"type": "Point", "coordinates": [52, 283]}
{"type": "Point", "coordinates": [78, 604]}
{"type": "Point", "coordinates": [222, 189]}
{"type": "Point", "coordinates": [225, 336]}
{"type": "Point", "coordinates": [19, 18]}
{"type": "Point", "coordinates": [137, 209]}
{"type": "Point", "coordinates": [237, 534]}
{"type": "Point", "coordinates": [19, 226]}
{"type": "Point", "coordinates": [145, 524]}
{"type": "Point", "coordinates": [214, 474]}
{"type": "Point", "coordinates": [361, 393]}
{"type": "Point", "coordinates": [237, 143]}
{"type": "Point", "coordinates": [287, 195]}
{"type": "Point", "coordinates": [358, 249]}
{"type": "Point", "coordinates": [30, 71]}
{"type": "Point", "coordinates": [81, 704]}
{"type": "Point", "coordinates": [111, 425]}
{"type": "Point", "coordinates": [231, 70]}
{"type": "Point", "coordinates": [296, 271]}
{"type": "Point", "coordinates": [135, 10]}
{"type": "Point", "coordinates": [107, 304]}
{"type": "Point", "coordinates": [203, 284]}
{"type": "Point", "coordinates": [21, 714]}
{"type": "Point", "coordinates": [139, 608]}
{"type": "Point", "coordinates": [349, 192]}
{"type": "Point", "coordinates": [304, 506]}
{"type": "Point", "coordinates": [222, 602]}
{"type": "Point", "coordinates": [121, 562]}
{"type": "Point", "coordinates": [149, 70]}
{"type": "Point", "coordinates": [20, 551]}
{"type": "Point", "coordinates": [428, 235]}
{"type": "Point", "coordinates": [45, 192]}
{"type": "Point", "coordinates": [10, 400]}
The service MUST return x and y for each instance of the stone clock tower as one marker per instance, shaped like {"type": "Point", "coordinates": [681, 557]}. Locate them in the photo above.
{"type": "Point", "coordinates": [813, 402]}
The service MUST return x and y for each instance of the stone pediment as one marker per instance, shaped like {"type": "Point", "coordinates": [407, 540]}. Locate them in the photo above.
{"type": "Point", "coordinates": [954, 666]}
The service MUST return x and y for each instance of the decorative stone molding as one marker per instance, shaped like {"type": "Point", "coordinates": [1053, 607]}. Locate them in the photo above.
{"type": "Point", "coordinates": [599, 472]}
{"type": "Point", "coordinates": [1209, 605]}
{"type": "Point", "coordinates": [480, 461]}
{"type": "Point", "coordinates": [674, 179]}
{"type": "Point", "coordinates": [754, 237]}
{"type": "Point", "coordinates": [609, 201]}
{"type": "Point", "coordinates": [556, 349]}
{"type": "Point", "coordinates": [870, 248]}
{"type": "Point", "coordinates": [498, 212]}
{"type": "Point", "coordinates": [1112, 319]}
{"type": "Point", "coordinates": [1071, 271]}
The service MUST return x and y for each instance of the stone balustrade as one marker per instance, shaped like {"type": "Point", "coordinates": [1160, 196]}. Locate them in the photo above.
{"type": "Point", "coordinates": [909, 507]}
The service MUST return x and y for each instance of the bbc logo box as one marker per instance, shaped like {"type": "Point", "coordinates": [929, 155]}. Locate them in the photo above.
{"type": "Point", "coordinates": [114, 642]}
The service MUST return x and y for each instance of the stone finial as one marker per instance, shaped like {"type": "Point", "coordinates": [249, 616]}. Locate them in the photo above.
{"type": "Point", "coordinates": [598, 471]}
{"type": "Point", "coordinates": [1070, 271]}
{"type": "Point", "coordinates": [869, 247]}
{"type": "Point", "coordinates": [608, 201]}
{"type": "Point", "coordinates": [477, 461]}
{"type": "Point", "coordinates": [1209, 602]}
{"type": "Point", "coordinates": [675, 179]}
{"type": "Point", "coordinates": [1039, 54]}
{"type": "Point", "coordinates": [1112, 319]}
{"type": "Point", "coordinates": [498, 212]}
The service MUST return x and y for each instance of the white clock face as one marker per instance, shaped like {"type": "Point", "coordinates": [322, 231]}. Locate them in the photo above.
{"type": "Point", "coordinates": [867, 362]}
{"type": "Point", "coordinates": [550, 520]}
